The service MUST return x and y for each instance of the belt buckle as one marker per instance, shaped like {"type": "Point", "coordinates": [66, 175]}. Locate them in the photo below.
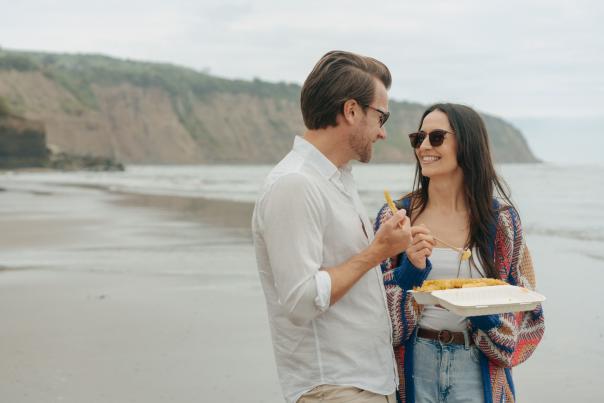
{"type": "Point", "coordinates": [445, 333]}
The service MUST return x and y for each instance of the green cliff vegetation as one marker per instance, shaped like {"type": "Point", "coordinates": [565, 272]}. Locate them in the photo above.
{"type": "Point", "coordinates": [78, 72]}
{"type": "Point", "coordinates": [140, 112]}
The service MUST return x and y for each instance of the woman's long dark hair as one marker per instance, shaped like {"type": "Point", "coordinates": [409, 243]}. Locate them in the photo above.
{"type": "Point", "coordinates": [479, 180]}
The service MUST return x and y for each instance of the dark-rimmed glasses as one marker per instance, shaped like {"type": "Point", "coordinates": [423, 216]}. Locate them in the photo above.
{"type": "Point", "coordinates": [383, 115]}
{"type": "Point", "coordinates": [436, 137]}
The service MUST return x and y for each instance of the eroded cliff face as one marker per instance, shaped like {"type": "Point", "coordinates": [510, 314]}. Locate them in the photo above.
{"type": "Point", "coordinates": [153, 118]}
{"type": "Point", "coordinates": [131, 124]}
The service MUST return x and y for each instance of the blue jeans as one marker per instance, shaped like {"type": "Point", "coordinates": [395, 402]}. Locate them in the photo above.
{"type": "Point", "coordinates": [446, 372]}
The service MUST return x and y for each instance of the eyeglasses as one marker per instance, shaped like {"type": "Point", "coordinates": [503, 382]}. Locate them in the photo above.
{"type": "Point", "coordinates": [436, 137]}
{"type": "Point", "coordinates": [383, 115]}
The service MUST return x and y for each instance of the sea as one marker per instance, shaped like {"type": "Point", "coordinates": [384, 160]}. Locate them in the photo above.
{"type": "Point", "coordinates": [561, 201]}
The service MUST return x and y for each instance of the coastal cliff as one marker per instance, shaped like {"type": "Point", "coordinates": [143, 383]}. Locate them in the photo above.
{"type": "Point", "coordinates": [149, 113]}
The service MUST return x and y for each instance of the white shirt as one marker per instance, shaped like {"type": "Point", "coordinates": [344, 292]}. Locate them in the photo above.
{"type": "Point", "coordinates": [308, 217]}
{"type": "Point", "coordinates": [446, 264]}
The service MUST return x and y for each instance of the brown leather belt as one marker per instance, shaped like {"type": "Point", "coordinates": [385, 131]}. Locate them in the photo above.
{"type": "Point", "coordinates": [444, 336]}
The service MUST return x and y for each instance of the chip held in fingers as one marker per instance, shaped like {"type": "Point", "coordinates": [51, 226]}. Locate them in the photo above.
{"type": "Point", "coordinates": [390, 202]}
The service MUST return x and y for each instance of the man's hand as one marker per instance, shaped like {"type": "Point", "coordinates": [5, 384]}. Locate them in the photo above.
{"type": "Point", "coordinates": [393, 237]}
{"type": "Point", "coordinates": [421, 246]}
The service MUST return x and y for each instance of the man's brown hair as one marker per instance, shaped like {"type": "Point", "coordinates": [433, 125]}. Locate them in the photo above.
{"type": "Point", "coordinates": [336, 78]}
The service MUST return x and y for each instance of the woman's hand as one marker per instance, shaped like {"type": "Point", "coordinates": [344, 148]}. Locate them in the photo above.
{"type": "Point", "coordinates": [421, 246]}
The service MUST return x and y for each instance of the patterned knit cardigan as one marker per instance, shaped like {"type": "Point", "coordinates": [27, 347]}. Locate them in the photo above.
{"type": "Point", "coordinates": [504, 340]}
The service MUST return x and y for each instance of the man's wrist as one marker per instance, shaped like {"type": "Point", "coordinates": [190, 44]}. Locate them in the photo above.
{"type": "Point", "coordinates": [369, 258]}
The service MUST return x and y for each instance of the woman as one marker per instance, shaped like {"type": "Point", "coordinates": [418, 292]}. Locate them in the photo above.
{"type": "Point", "coordinates": [443, 356]}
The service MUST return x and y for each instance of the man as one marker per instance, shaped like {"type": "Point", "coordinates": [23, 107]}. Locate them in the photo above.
{"type": "Point", "coordinates": [317, 257]}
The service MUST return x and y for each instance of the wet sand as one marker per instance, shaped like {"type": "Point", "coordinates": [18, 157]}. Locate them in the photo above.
{"type": "Point", "coordinates": [129, 304]}
{"type": "Point", "coordinates": [108, 297]}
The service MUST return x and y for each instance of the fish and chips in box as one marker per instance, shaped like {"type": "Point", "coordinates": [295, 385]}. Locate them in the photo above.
{"type": "Point", "coordinates": [474, 297]}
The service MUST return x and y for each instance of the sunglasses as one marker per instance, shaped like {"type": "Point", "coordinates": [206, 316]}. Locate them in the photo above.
{"type": "Point", "coordinates": [436, 137]}
{"type": "Point", "coordinates": [383, 115]}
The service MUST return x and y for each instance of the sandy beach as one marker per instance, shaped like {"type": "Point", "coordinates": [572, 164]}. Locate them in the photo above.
{"type": "Point", "coordinates": [93, 312]}
{"type": "Point", "coordinates": [112, 297]}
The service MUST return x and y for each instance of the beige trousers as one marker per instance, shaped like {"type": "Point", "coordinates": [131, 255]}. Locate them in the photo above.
{"type": "Point", "coordinates": [344, 394]}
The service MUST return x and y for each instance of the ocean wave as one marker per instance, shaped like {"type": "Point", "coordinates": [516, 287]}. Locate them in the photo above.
{"type": "Point", "coordinates": [585, 234]}
{"type": "Point", "coordinates": [595, 256]}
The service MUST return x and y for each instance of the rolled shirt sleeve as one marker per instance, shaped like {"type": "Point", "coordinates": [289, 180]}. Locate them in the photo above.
{"type": "Point", "coordinates": [323, 283]}
{"type": "Point", "coordinates": [293, 222]}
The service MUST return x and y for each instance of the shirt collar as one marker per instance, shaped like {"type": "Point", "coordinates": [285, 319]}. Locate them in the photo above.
{"type": "Point", "coordinates": [316, 157]}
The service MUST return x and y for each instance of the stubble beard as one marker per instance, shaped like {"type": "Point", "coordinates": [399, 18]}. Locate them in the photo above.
{"type": "Point", "coordinates": [361, 146]}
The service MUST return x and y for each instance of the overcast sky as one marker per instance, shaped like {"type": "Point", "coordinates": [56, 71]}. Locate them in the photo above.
{"type": "Point", "coordinates": [516, 59]}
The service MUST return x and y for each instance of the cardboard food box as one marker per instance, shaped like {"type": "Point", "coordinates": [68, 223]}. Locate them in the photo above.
{"type": "Point", "coordinates": [475, 301]}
